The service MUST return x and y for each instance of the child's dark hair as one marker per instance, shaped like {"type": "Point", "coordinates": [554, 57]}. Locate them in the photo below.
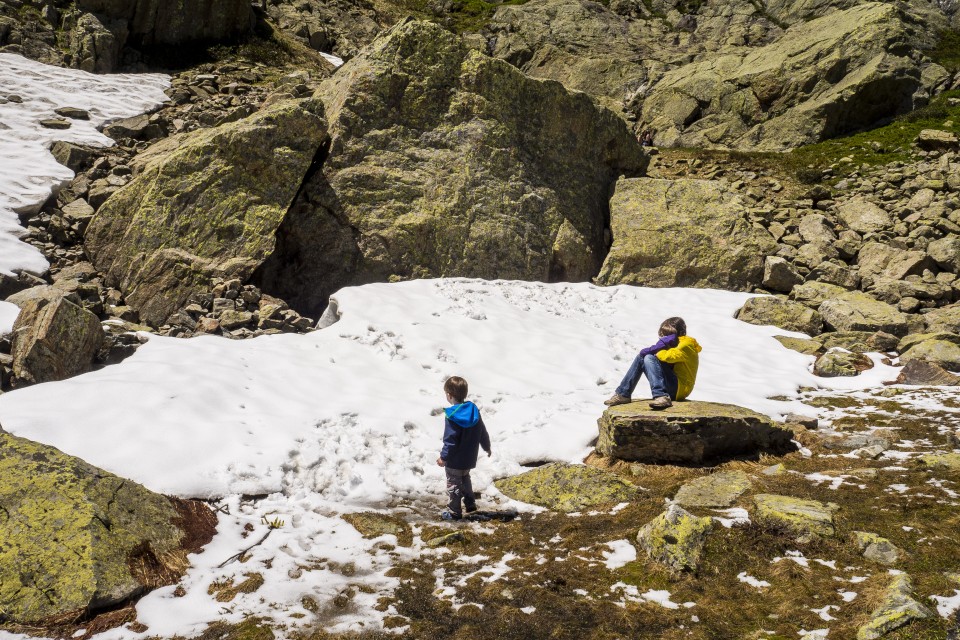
{"type": "Point", "coordinates": [456, 388]}
{"type": "Point", "coordinates": [673, 326]}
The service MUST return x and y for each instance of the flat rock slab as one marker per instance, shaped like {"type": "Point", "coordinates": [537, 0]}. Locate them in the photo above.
{"type": "Point", "coordinates": [719, 489]}
{"type": "Point", "coordinates": [567, 487]}
{"type": "Point", "coordinates": [804, 517]}
{"type": "Point", "coordinates": [687, 433]}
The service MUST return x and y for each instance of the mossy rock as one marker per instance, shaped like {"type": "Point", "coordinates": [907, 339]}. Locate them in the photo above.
{"type": "Point", "coordinates": [806, 346]}
{"type": "Point", "coordinates": [860, 341]}
{"type": "Point", "coordinates": [945, 461]}
{"type": "Point", "coordinates": [898, 609]}
{"type": "Point", "coordinates": [74, 538]}
{"type": "Point", "coordinates": [876, 548]}
{"type": "Point", "coordinates": [796, 515]}
{"type": "Point", "coordinates": [567, 487]}
{"type": "Point", "coordinates": [675, 538]}
{"type": "Point", "coordinates": [812, 294]}
{"type": "Point", "coordinates": [205, 204]}
{"type": "Point", "coordinates": [682, 233]}
{"type": "Point", "coordinates": [719, 489]}
{"type": "Point", "coordinates": [465, 167]}
{"type": "Point", "coordinates": [782, 313]}
{"type": "Point", "coordinates": [371, 524]}
{"type": "Point", "coordinates": [688, 432]}
{"type": "Point", "coordinates": [858, 311]}
{"type": "Point", "coordinates": [838, 363]}
{"type": "Point", "coordinates": [945, 353]}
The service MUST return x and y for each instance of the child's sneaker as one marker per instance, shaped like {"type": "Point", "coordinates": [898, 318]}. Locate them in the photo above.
{"type": "Point", "coordinates": [662, 402]}
{"type": "Point", "coordinates": [450, 516]}
{"type": "Point", "coordinates": [617, 399]}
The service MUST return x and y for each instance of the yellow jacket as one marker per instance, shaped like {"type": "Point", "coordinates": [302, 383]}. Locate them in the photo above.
{"type": "Point", "coordinates": [685, 360]}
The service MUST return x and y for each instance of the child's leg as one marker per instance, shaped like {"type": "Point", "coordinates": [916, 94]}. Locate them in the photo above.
{"type": "Point", "coordinates": [454, 489]}
{"type": "Point", "coordinates": [629, 382]}
{"type": "Point", "coordinates": [663, 381]}
{"type": "Point", "coordinates": [469, 500]}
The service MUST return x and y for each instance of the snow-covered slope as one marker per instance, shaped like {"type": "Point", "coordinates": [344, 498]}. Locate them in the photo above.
{"type": "Point", "coordinates": [28, 173]}
{"type": "Point", "coordinates": [351, 411]}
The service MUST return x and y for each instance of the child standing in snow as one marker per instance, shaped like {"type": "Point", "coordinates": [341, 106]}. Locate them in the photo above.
{"type": "Point", "coordinates": [463, 435]}
{"type": "Point", "coordinates": [670, 366]}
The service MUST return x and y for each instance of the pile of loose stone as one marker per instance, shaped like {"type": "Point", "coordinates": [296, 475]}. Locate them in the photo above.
{"type": "Point", "coordinates": [869, 264]}
{"type": "Point", "coordinates": [206, 96]}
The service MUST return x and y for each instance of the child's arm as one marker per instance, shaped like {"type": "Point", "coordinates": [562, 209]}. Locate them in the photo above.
{"type": "Point", "coordinates": [663, 343]}
{"type": "Point", "coordinates": [450, 439]}
{"type": "Point", "coordinates": [671, 356]}
{"type": "Point", "coordinates": [484, 437]}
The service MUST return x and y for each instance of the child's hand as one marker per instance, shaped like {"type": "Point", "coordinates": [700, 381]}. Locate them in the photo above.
{"type": "Point", "coordinates": [489, 453]}
{"type": "Point", "coordinates": [441, 463]}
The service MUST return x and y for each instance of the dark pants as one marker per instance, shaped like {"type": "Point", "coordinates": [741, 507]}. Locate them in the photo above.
{"type": "Point", "coordinates": [663, 381]}
{"type": "Point", "coordinates": [460, 488]}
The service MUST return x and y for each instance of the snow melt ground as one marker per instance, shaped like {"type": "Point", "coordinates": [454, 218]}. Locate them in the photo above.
{"type": "Point", "coordinates": [28, 173]}
{"type": "Point", "coordinates": [349, 417]}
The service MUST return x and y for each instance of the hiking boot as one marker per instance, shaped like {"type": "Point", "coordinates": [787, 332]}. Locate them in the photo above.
{"type": "Point", "coordinates": [663, 402]}
{"type": "Point", "coordinates": [617, 399]}
{"type": "Point", "coordinates": [470, 509]}
{"type": "Point", "coordinates": [450, 516]}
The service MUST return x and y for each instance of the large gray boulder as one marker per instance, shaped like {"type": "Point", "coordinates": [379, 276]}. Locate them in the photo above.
{"type": "Point", "coordinates": [688, 432]}
{"type": "Point", "coordinates": [683, 233]}
{"type": "Point", "coordinates": [858, 311]}
{"type": "Point", "coordinates": [446, 162]}
{"type": "Point", "coordinates": [944, 319]}
{"type": "Point", "coordinates": [863, 216]}
{"type": "Point", "coordinates": [53, 337]}
{"type": "Point", "coordinates": [75, 539]}
{"type": "Point", "coordinates": [785, 314]}
{"type": "Point", "coordinates": [820, 78]}
{"type": "Point", "coordinates": [205, 205]}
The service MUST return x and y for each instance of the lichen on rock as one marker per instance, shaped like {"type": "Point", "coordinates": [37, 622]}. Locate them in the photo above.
{"type": "Point", "coordinates": [75, 538]}
{"type": "Point", "coordinates": [567, 487]}
{"type": "Point", "coordinates": [675, 538]}
{"type": "Point", "coordinates": [205, 205]}
{"type": "Point", "coordinates": [720, 489]}
{"type": "Point", "coordinates": [898, 609]}
{"type": "Point", "coordinates": [683, 233]}
{"type": "Point", "coordinates": [797, 515]}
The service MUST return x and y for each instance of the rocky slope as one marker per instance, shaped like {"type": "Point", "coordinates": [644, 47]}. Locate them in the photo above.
{"type": "Point", "coordinates": [384, 188]}
{"type": "Point", "coordinates": [737, 75]}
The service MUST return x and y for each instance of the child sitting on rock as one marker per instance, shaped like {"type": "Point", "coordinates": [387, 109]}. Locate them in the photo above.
{"type": "Point", "coordinates": [463, 435]}
{"type": "Point", "coordinates": [670, 366]}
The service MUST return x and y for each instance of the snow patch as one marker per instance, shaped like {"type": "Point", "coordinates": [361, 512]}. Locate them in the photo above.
{"type": "Point", "coordinates": [28, 173]}
{"type": "Point", "coordinates": [620, 554]}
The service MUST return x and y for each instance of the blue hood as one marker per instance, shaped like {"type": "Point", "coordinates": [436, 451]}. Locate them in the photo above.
{"type": "Point", "coordinates": [463, 415]}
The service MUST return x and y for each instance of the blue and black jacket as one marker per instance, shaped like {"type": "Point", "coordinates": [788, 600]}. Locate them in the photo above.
{"type": "Point", "coordinates": [463, 435]}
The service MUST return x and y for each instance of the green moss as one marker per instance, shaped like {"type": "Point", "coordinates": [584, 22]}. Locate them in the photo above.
{"type": "Point", "coordinates": [675, 538]}
{"type": "Point", "coordinates": [878, 146]}
{"type": "Point", "coordinates": [567, 487]}
{"type": "Point", "coordinates": [947, 51]}
{"type": "Point", "coordinates": [69, 532]}
{"type": "Point", "coordinates": [465, 16]}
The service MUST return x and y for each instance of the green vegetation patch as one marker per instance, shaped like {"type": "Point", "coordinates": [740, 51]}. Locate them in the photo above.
{"type": "Point", "coordinates": [461, 16]}
{"type": "Point", "coordinates": [947, 51]}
